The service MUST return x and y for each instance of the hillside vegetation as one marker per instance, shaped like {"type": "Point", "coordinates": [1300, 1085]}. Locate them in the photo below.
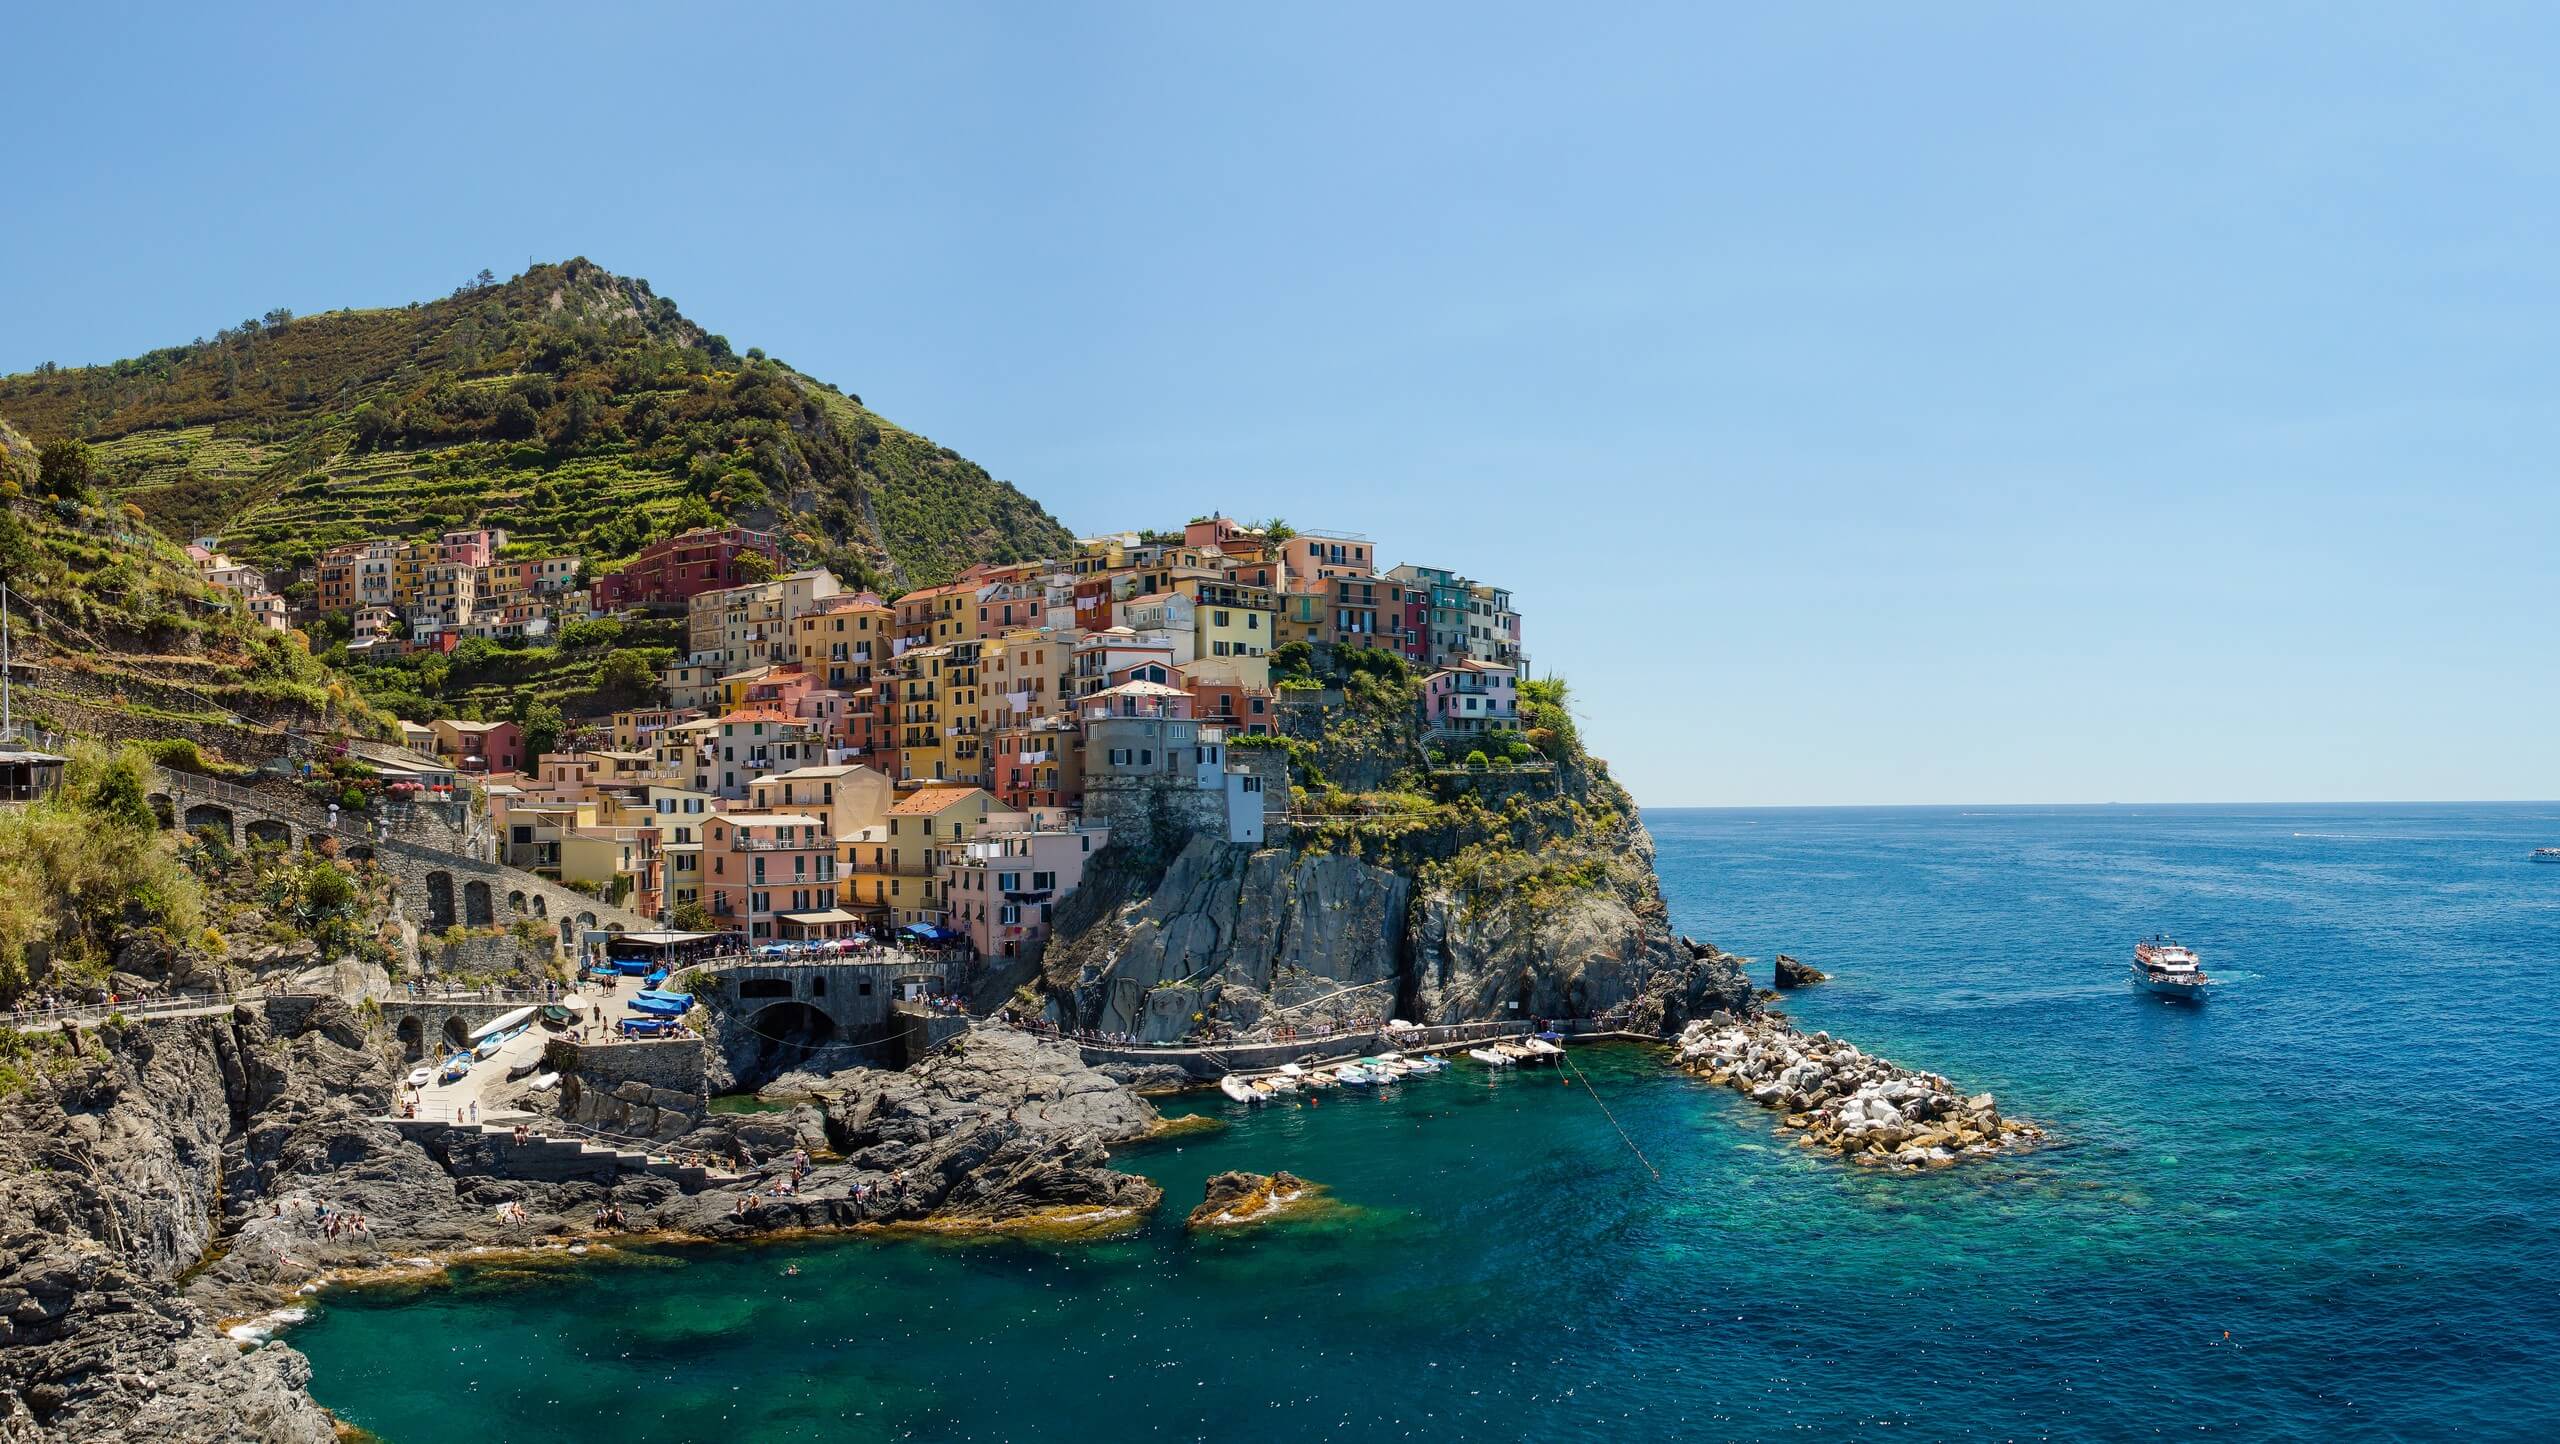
{"type": "Point", "coordinates": [112, 624]}
{"type": "Point", "coordinates": [576, 408]}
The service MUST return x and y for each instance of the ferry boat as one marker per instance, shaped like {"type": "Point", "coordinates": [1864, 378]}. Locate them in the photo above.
{"type": "Point", "coordinates": [2168, 968]}
{"type": "Point", "coordinates": [2546, 854]}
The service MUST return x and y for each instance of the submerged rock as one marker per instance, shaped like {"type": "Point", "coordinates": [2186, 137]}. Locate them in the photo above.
{"type": "Point", "coordinates": [1238, 1198]}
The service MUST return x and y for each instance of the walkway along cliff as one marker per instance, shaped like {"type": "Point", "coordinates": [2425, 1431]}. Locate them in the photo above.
{"type": "Point", "coordinates": [1399, 883]}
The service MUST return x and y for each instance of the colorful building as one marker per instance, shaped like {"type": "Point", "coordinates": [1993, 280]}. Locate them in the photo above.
{"type": "Point", "coordinates": [673, 571]}
{"type": "Point", "coordinates": [999, 888]}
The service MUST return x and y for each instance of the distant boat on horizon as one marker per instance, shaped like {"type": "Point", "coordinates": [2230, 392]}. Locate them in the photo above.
{"type": "Point", "coordinates": [2546, 854]}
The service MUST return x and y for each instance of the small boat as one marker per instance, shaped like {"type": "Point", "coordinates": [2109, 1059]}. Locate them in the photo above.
{"type": "Point", "coordinates": [1353, 1075]}
{"type": "Point", "coordinates": [456, 1068]}
{"type": "Point", "coordinates": [1542, 1048]}
{"type": "Point", "coordinates": [545, 1082]}
{"type": "Point", "coordinates": [421, 1076]}
{"type": "Point", "coordinates": [1489, 1057]}
{"type": "Point", "coordinates": [1238, 1089]}
{"type": "Point", "coordinates": [529, 1065]}
{"type": "Point", "coordinates": [492, 1045]}
{"type": "Point", "coordinates": [2166, 968]}
{"type": "Point", "coordinates": [1282, 1083]}
{"type": "Point", "coordinates": [1292, 1070]}
{"type": "Point", "coordinates": [2546, 854]}
{"type": "Point", "coordinates": [1262, 1089]}
{"type": "Point", "coordinates": [554, 1016]}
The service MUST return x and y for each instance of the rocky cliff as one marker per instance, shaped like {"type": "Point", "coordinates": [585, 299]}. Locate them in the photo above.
{"type": "Point", "coordinates": [1443, 894]}
{"type": "Point", "coordinates": [112, 1182]}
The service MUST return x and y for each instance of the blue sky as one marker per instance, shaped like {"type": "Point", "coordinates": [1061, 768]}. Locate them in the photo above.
{"type": "Point", "coordinates": [1867, 404]}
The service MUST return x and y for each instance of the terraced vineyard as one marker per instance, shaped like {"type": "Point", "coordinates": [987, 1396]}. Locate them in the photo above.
{"type": "Point", "coordinates": [575, 408]}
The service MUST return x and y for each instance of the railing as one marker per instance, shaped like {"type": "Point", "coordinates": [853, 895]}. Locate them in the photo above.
{"type": "Point", "coordinates": [139, 1009]}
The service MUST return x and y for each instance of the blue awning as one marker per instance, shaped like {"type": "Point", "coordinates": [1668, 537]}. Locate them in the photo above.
{"type": "Point", "coordinates": [921, 930]}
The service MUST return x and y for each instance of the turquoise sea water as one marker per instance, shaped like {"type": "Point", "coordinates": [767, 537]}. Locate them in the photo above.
{"type": "Point", "coordinates": [2326, 1206]}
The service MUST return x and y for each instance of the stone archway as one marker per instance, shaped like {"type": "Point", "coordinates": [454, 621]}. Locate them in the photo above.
{"type": "Point", "coordinates": [541, 906]}
{"type": "Point", "coordinates": [412, 1033]}
{"type": "Point", "coordinates": [457, 1034]}
{"type": "Point", "coordinates": [210, 817]}
{"type": "Point", "coordinates": [786, 1035]}
{"type": "Point", "coordinates": [267, 832]}
{"type": "Point", "coordinates": [515, 902]}
{"type": "Point", "coordinates": [439, 901]}
{"type": "Point", "coordinates": [475, 904]}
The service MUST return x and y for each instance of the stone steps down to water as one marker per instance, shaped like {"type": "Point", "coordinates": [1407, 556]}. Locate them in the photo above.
{"type": "Point", "coordinates": [1865, 1108]}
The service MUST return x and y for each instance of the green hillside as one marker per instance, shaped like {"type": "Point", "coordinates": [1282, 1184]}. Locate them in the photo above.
{"type": "Point", "coordinates": [115, 633]}
{"type": "Point", "coordinates": [574, 407]}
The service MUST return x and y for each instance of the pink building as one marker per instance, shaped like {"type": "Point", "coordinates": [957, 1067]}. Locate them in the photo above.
{"type": "Point", "coordinates": [771, 875]}
{"type": "Point", "coordinates": [998, 888]}
{"type": "Point", "coordinates": [1472, 696]}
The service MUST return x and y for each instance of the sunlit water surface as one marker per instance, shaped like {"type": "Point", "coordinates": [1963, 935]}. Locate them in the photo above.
{"type": "Point", "coordinates": [2325, 1206]}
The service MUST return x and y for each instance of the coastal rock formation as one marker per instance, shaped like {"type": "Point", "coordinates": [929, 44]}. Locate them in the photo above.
{"type": "Point", "coordinates": [1254, 938]}
{"type": "Point", "coordinates": [111, 1176]}
{"type": "Point", "coordinates": [1855, 1104]}
{"type": "Point", "coordinates": [1233, 1199]}
{"type": "Point", "coordinates": [1002, 1129]}
{"type": "Point", "coordinates": [1793, 974]}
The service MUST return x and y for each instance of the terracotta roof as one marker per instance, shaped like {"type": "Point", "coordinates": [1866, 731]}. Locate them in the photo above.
{"type": "Point", "coordinates": [930, 800]}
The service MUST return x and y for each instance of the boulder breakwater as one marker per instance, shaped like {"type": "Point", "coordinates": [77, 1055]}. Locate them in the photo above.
{"type": "Point", "coordinates": [1867, 1109]}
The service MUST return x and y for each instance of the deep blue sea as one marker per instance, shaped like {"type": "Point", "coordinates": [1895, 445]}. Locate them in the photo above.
{"type": "Point", "coordinates": [2325, 1206]}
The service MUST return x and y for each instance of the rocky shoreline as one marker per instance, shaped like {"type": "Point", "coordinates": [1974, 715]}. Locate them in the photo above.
{"type": "Point", "coordinates": [1867, 1109]}
{"type": "Point", "coordinates": [165, 1201]}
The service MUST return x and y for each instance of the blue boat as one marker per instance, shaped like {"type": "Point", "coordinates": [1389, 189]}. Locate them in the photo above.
{"type": "Point", "coordinates": [659, 1007]}
{"type": "Point", "coordinates": [660, 995]}
{"type": "Point", "coordinates": [647, 1027]}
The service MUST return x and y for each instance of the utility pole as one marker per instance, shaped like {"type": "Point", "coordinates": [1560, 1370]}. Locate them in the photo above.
{"type": "Point", "coordinates": [8, 667]}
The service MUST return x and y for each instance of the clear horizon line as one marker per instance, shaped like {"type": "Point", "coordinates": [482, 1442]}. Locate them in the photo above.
{"type": "Point", "coordinates": [2270, 802]}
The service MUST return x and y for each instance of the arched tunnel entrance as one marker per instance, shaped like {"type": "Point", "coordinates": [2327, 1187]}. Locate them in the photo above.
{"type": "Point", "coordinates": [786, 1035]}
{"type": "Point", "coordinates": [413, 1037]}
{"type": "Point", "coordinates": [455, 1033]}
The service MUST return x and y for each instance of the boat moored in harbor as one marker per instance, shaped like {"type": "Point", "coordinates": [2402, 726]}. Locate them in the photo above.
{"type": "Point", "coordinates": [2167, 968]}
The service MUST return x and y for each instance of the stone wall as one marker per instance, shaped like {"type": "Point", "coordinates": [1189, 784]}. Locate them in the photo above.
{"type": "Point", "coordinates": [1157, 814]}
{"type": "Point", "coordinates": [640, 1088]}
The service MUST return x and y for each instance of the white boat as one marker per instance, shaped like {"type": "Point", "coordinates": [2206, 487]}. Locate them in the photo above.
{"type": "Point", "coordinates": [1281, 1083]}
{"type": "Point", "coordinates": [545, 1082]}
{"type": "Point", "coordinates": [2546, 854]}
{"type": "Point", "coordinates": [1542, 1047]}
{"type": "Point", "coordinates": [1489, 1057]}
{"type": "Point", "coordinates": [502, 1025]}
{"type": "Point", "coordinates": [1238, 1089]}
{"type": "Point", "coordinates": [421, 1076]}
{"type": "Point", "coordinates": [2166, 968]}
{"type": "Point", "coordinates": [1292, 1070]}
{"type": "Point", "coordinates": [1356, 1076]}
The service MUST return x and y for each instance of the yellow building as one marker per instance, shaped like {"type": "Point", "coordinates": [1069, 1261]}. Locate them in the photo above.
{"type": "Point", "coordinates": [916, 713]}
{"type": "Point", "coordinates": [842, 639]}
{"type": "Point", "coordinates": [923, 827]}
{"type": "Point", "coordinates": [1231, 620]}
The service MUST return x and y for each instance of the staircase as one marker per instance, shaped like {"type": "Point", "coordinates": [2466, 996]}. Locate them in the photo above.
{"type": "Point", "coordinates": [553, 1159]}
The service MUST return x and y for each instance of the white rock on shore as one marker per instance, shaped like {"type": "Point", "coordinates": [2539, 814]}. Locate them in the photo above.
{"type": "Point", "coordinates": [1862, 1107]}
